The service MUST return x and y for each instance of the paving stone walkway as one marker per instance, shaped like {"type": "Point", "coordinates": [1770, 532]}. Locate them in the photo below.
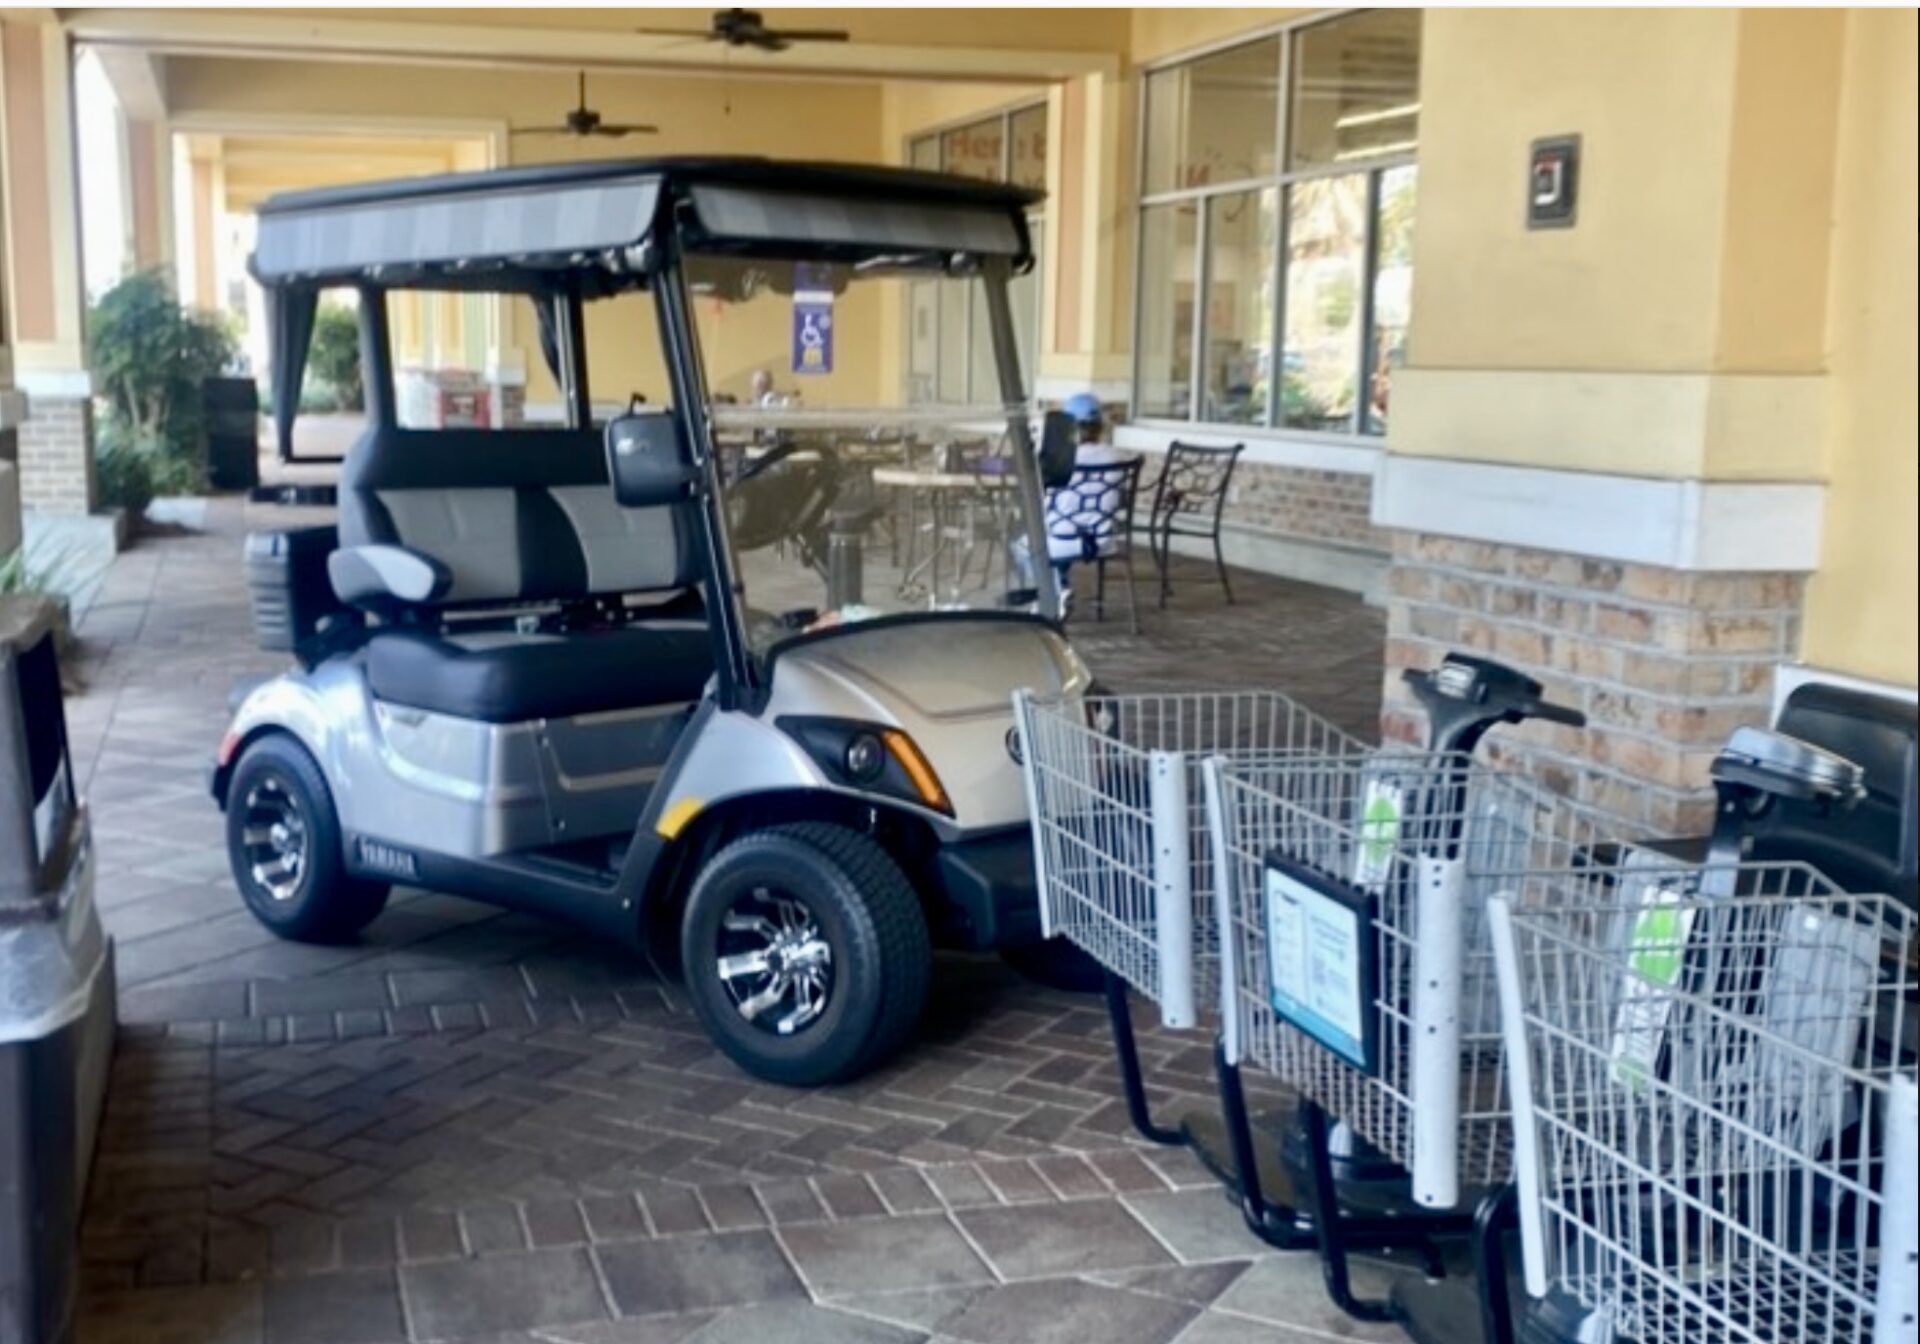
{"type": "Point", "coordinates": [475, 1127]}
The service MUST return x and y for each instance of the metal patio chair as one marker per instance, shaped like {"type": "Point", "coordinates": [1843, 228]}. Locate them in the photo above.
{"type": "Point", "coordinates": [1188, 501]}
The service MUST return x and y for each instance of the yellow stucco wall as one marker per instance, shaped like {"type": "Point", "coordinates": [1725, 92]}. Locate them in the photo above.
{"type": "Point", "coordinates": [1676, 330]}
{"type": "Point", "coordinates": [1861, 605]}
{"type": "Point", "coordinates": [1633, 286]}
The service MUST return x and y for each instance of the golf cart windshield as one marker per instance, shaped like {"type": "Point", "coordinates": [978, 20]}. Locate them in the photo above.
{"type": "Point", "coordinates": [867, 451]}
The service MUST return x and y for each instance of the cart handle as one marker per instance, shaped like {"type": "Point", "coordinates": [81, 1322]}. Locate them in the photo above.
{"type": "Point", "coordinates": [1466, 695]}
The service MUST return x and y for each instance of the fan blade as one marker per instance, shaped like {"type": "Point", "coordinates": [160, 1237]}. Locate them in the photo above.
{"type": "Point", "coordinates": [810, 34]}
{"type": "Point", "coordinates": [761, 38]}
{"type": "Point", "coordinates": [617, 129]}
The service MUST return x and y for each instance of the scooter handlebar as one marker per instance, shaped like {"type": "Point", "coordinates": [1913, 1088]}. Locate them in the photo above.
{"type": "Point", "coordinates": [1552, 713]}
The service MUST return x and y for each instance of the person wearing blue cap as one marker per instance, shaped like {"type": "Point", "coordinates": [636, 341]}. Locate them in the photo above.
{"type": "Point", "coordinates": [1087, 519]}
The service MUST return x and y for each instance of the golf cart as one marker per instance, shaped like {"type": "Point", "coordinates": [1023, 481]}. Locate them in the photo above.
{"type": "Point", "coordinates": [725, 681]}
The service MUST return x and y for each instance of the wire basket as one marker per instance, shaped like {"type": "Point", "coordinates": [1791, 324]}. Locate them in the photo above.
{"type": "Point", "coordinates": [1120, 826]}
{"type": "Point", "coordinates": [1715, 1101]}
{"type": "Point", "coordinates": [1355, 958]}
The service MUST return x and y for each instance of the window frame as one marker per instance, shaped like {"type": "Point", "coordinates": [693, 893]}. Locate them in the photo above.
{"type": "Point", "coordinates": [1036, 227]}
{"type": "Point", "coordinates": [1281, 180]}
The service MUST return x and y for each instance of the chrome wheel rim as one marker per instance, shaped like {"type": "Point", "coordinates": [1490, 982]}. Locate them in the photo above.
{"type": "Point", "coordinates": [273, 839]}
{"type": "Point", "coordinates": [776, 965]}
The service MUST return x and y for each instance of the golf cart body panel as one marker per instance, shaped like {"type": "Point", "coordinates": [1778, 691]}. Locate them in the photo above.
{"type": "Point", "coordinates": [398, 773]}
{"type": "Point", "coordinates": [534, 675]}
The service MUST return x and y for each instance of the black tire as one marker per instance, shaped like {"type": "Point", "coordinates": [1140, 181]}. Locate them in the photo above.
{"type": "Point", "coordinates": [865, 911]}
{"type": "Point", "coordinates": [1057, 964]}
{"type": "Point", "coordinates": [319, 901]}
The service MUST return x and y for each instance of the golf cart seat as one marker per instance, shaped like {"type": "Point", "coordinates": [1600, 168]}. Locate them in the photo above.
{"type": "Point", "coordinates": [458, 523]}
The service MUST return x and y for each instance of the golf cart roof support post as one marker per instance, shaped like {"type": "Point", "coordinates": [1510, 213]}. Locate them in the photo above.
{"type": "Point", "coordinates": [570, 339]}
{"type": "Point", "coordinates": [376, 359]}
{"type": "Point", "coordinates": [685, 376]}
{"type": "Point", "coordinates": [290, 326]}
{"type": "Point", "coordinates": [994, 272]}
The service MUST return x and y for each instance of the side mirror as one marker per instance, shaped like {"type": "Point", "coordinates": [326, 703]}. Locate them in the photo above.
{"type": "Point", "coordinates": [649, 460]}
{"type": "Point", "coordinates": [1059, 446]}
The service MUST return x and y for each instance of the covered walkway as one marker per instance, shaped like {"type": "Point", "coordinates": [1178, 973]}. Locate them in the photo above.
{"type": "Point", "coordinates": [476, 1126]}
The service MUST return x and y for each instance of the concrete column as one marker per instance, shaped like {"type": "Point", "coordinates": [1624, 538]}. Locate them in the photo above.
{"type": "Point", "coordinates": [1606, 456]}
{"type": "Point", "coordinates": [1089, 303]}
{"type": "Point", "coordinates": [45, 300]}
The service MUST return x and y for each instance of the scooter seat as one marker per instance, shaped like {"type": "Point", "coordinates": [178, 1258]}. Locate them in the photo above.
{"type": "Point", "coordinates": [505, 676]}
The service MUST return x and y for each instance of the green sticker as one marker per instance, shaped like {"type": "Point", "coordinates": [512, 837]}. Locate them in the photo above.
{"type": "Point", "coordinates": [1380, 825]}
{"type": "Point", "coordinates": [1659, 945]}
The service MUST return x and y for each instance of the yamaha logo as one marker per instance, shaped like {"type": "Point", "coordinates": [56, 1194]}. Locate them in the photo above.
{"type": "Point", "coordinates": [1013, 745]}
{"type": "Point", "coordinates": [388, 859]}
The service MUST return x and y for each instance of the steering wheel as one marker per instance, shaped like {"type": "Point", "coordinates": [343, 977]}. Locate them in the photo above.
{"type": "Point", "coordinates": [780, 496]}
{"type": "Point", "coordinates": [767, 461]}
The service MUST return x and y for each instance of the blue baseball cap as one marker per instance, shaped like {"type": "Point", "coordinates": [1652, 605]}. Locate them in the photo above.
{"type": "Point", "coordinates": [1083, 407]}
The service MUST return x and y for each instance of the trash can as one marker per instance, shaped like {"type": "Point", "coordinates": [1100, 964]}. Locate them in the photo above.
{"type": "Point", "coordinates": [56, 989]}
{"type": "Point", "coordinates": [232, 410]}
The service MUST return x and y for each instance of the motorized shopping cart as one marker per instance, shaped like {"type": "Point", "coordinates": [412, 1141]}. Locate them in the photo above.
{"type": "Point", "coordinates": [1122, 853]}
{"type": "Point", "coordinates": [1717, 1133]}
{"type": "Point", "coordinates": [1355, 968]}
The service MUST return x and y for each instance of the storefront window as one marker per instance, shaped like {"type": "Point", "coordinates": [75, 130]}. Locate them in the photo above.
{"type": "Point", "coordinates": [1392, 288]}
{"type": "Point", "coordinates": [1214, 120]}
{"type": "Point", "coordinates": [1239, 319]}
{"type": "Point", "coordinates": [1326, 270]}
{"type": "Point", "coordinates": [948, 356]}
{"type": "Point", "coordinates": [1356, 89]}
{"type": "Point", "coordinates": [1163, 385]}
{"type": "Point", "coordinates": [1028, 131]}
{"type": "Point", "coordinates": [1306, 264]}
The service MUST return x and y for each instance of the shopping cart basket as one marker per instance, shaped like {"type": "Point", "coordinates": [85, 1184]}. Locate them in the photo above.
{"type": "Point", "coordinates": [1714, 1108]}
{"type": "Point", "coordinates": [1355, 968]}
{"type": "Point", "coordinates": [1121, 849]}
{"type": "Point", "coordinates": [1120, 835]}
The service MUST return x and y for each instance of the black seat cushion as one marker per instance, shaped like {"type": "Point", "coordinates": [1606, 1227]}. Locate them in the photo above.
{"type": "Point", "coordinates": [504, 677]}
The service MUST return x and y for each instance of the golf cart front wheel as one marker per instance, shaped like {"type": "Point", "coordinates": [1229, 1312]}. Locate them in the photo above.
{"type": "Point", "coordinates": [284, 845]}
{"type": "Point", "coordinates": [806, 953]}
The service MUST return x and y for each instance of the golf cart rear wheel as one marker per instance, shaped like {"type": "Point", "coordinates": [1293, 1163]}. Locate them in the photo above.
{"type": "Point", "coordinates": [805, 953]}
{"type": "Point", "coordinates": [284, 843]}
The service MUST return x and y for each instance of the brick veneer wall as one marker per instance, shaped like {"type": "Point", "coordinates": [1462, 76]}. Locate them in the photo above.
{"type": "Point", "coordinates": [1665, 663]}
{"type": "Point", "coordinates": [1302, 502]}
{"type": "Point", "coordinates": [1326, 506]}
{"type": "Point", "coordinates": [56, 456]}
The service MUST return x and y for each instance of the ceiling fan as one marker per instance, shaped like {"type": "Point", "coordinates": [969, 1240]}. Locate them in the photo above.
{"type": "Point", "coordinates": [747, 28]}
{"type": "Point", "coordinates": [585, 121]}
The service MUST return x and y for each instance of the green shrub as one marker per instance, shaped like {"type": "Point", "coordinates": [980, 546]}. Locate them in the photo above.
{"type": "Point", "coordinates": [334, 356]}
{"type": "Point", "coordinates": [320, 398]}
{"type": "Point", "coordinates": [124, 471]}
{"type": "Point", "coordinates": [151, 356]}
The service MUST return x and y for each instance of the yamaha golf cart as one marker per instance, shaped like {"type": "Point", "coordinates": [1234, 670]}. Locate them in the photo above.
{"type": "Point", "coordinates": [723, 677]}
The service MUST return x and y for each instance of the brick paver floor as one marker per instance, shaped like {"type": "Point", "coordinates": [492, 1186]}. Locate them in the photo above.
{"type": "Point", "coordinates": [475, 1126]}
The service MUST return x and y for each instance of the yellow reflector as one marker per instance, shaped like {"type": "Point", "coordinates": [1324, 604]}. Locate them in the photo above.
{"type": "Point", "coordinates": [674, 820]}
{"type": "Point", "coordinates": [925, 782]}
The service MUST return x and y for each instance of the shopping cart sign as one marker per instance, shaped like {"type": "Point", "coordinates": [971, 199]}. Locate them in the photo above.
{"type": "Point", "coordinates": [1657, 955]}
{"type": "Point", "coordinates": [1321, 965]}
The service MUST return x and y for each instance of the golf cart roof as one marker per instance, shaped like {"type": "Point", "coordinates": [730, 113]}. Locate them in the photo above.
{"type": "Point", "coordinates": [539, 228]}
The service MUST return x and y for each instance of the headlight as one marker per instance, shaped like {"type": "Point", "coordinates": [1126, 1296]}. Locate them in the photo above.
{"type": "Point", "coordinates": [869, 757]}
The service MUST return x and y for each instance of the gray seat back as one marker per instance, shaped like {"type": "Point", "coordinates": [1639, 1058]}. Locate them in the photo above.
{"type": "Point", "coordinates": [515, 516]}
